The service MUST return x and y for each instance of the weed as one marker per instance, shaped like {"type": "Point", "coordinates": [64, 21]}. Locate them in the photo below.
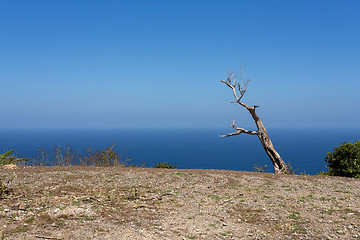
{"type": "Point", "coordinates": [326, 199]}
{"type": "Point", "coordinates": [214, 197]}
{"type": "Point", "coordinates": [133, 193]}
{"type": "Point", "coordinates": [21, 228]}
{"type": "Point", "coordinates": [259, 168]}
{"type": "Point", "coordinates": [67, 156]}
{"type": "Point", "coordinates": [30, 220]}
{"type": "Point", "coordinates": [341, 191]}
{"type": "Point", "coordinates": [290, 169]}
{"type": "Point", "coordinates": [180, 173]}
{"type": "Point", "coordinates": [76, 203]}
{"type": "Point", "coordinates": [330, 211]}
{"type": "Point", "coordinates": [294, 215]}
{"type": "Point", "coordinates": [60, 223]}
{"type": "Point", "coordinates": [299, 229]}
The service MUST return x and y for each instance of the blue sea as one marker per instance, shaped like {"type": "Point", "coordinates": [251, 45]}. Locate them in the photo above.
{"type": "Point", "coordinates": [304, 149]}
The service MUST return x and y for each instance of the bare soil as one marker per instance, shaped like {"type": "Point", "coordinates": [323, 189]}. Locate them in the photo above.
{"type": "Point", "coordinates": [145, 203]}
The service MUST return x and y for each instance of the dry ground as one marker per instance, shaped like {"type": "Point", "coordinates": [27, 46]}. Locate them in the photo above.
{"type": "Point", "coordinates": [139, 203]}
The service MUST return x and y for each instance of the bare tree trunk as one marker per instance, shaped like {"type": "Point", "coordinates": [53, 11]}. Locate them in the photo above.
{"type": "Point", "coordinates": [278, 163]}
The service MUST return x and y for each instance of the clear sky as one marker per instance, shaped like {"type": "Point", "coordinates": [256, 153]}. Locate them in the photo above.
{"type": "Point", "coordinates": [116, 64]}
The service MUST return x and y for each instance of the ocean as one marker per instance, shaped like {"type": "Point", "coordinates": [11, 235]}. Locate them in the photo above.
{"type": "Point", "coordinates": [304, 149]}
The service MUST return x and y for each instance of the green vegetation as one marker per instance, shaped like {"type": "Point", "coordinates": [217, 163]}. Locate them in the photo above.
{"type": "Point", "coordinates": [344, 161]}
{"type": "Point", "coordinates": [6, 158]}
{"type": "Point", "coordinates": [165, 165]}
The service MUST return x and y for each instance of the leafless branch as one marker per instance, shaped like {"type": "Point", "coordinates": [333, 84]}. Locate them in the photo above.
{"type": "Point", "coordinates": [239, 90]}
{"type": "Point", "coordinates": [232, 83]}
{"type": "Point", "coordinates": [239, 131]}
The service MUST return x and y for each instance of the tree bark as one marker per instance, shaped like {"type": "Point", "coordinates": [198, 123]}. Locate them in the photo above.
{"type": "Point", "coordinates": [278, 163]}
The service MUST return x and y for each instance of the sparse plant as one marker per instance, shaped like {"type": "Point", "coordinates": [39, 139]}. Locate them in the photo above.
{"type": "Point", "coordinates": [259, 168]}
{"type": "Point", "coordinates": [290, 169]}
{"type": "Point", "coordinates": [64, 156]}
{"type": "Point", "coordinates": [67, 156]}
{"type": "Point", "coordinates": [165, 165]}
{"type": "Point", "coordinates": [107, 157]}
{"type": "Point", "coordinates": [134, 193]}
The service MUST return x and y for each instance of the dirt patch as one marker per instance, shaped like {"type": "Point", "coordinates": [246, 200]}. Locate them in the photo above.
{"type": "Point", "coordinates": [137, 203]}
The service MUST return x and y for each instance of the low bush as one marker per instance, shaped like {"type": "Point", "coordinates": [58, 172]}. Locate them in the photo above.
{"type": "Point", "coordinates": [165, 165]}
{"type": "Point", "coordinates": [345, 160]}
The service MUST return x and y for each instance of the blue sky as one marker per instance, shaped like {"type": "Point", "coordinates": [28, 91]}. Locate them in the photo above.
{"type": "Point", "coordinates": [150, 64]}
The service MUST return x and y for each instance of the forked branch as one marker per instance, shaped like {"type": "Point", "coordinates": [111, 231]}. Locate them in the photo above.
{"type": "Point", "coordinates": [240, 88]}
{"type": "Point", "coordinates": [232, 83]}
{"type": "Point", "coordinates": [239, 131]}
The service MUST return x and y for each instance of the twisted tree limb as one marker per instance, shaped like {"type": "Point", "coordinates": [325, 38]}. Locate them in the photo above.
{"type": "Point", "coordinates": [239, 131]}
{"type": "Point", "coordinates": [231, 82]}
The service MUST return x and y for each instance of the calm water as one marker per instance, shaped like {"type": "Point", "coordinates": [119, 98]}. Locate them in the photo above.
{"type": "Point", "coordinates": [305, 150]}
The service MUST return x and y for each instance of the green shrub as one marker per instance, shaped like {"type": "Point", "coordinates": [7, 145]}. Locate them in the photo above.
{"type": "Point", "coordinates": [345, 160]}
{"type": "Point", "coordinates": [165, 165]}
{"type": "Point", "coordinates": [6, 158]}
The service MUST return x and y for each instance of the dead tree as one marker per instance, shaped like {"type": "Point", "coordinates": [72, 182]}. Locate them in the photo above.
{"type": "Point", "coordinates": [236, 87]}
